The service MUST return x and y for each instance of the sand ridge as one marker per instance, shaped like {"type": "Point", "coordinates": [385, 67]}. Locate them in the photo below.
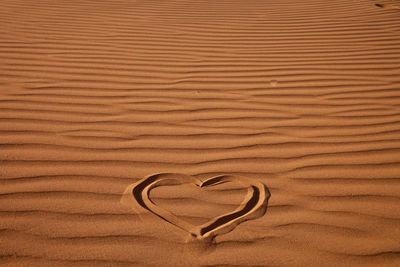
{"type": "Point", "coordinates": [302, 96]}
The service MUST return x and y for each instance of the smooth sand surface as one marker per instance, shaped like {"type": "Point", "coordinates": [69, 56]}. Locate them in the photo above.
{"type": "Point", "coordinates": [303, 96]}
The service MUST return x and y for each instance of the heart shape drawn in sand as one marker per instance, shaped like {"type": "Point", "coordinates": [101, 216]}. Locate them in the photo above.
{"type": "Point", "coordinates": [253, 206]}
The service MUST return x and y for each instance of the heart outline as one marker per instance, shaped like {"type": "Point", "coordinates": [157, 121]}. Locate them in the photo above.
{"type": "Point", "coordinates": [253, 206]}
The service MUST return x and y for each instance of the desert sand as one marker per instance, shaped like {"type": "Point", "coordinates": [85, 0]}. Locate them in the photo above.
{"type": "Point", "coordinates": [278, 122]}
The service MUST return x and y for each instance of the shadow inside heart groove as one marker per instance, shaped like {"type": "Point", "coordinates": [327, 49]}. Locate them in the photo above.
{"type": "Point", "coordinates": [251, 199]}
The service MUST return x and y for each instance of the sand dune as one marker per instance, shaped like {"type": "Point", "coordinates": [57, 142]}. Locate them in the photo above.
{"type": "Point", "coordinates": [302, 96]}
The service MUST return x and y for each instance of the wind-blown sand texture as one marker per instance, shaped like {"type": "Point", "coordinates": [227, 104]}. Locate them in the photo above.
{"type": "Point", "coordinates": [303, 96]}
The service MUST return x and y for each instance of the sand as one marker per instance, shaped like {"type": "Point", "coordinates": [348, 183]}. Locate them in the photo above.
{"type": "Point", "coordinates": [301, 96]}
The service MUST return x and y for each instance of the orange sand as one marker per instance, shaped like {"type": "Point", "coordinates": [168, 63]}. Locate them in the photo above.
{"type": "Point", "coordinates": [303, 96]}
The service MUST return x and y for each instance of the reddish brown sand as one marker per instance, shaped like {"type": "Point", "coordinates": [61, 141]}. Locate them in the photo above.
{"type": "Point", "coordinates": [303, 96]}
